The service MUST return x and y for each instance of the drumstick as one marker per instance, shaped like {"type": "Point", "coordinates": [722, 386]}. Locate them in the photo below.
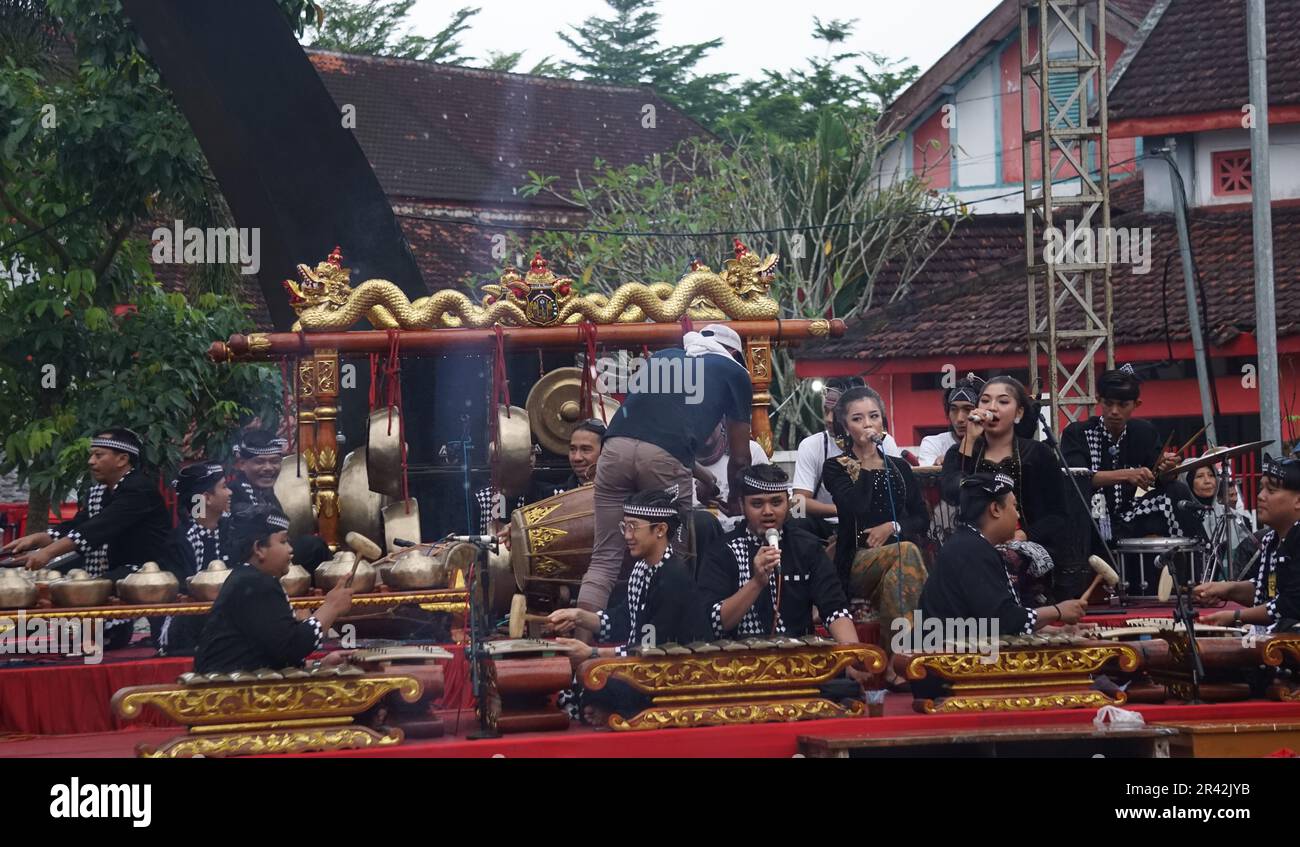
{"type": "Point", "coordinates": [1159, 456]}
{"type": "Point", "coordinates": [355, 564]}
{"type": "Point", "coordinates": [1189, 443]}
{"type": "Point", "coordinates": [1104, 572]}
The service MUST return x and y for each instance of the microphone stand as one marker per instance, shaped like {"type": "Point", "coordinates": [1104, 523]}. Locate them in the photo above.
{"type": "Point", "coordinates": [1183, 614]}
{"type": "Point", "coordinates": [1085, 500]}
{"type": "Point", "coordinates": [481, 670]}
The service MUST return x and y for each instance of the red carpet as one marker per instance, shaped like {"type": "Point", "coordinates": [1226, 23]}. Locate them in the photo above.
{"type": "Point", "coordinates": [62, 699]}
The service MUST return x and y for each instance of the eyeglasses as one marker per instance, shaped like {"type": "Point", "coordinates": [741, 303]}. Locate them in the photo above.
{"type": "Point", "coordinates": [624, 526]}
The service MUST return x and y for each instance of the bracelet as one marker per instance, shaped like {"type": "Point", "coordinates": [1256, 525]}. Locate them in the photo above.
{"type": "Point", "coordinates": [1236, 616]}
{"type": "Point", "coordinates": [1058, 611]}
{"type": "Point", "coordinates": [595, 653]}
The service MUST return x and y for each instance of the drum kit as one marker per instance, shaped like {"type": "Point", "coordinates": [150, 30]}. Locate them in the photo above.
{"type": "Point", "coordinates": [1155, 562]}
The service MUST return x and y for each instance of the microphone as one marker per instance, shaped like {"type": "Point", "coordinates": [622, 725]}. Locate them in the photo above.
{"type": "Point", "coordinates": [480, 540]}
{"type": "Point", "coordinates": [402, 542]}
{"type": "Point", "coordinates": [773, 538]}
{"type": "Point", "coordinates": [1194, 506]}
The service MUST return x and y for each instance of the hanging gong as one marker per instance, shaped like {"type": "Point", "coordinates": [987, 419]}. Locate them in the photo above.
{"type": "Point", "coordinates": [401, 520]}
{"type": "Point", "coordinates": [293, 489]}
{"type": "Point", "coordinates": [555, 408]}
{"type": "Point", "coordinates": [513, 456]}
{"type": "Point", "coordinates": [384, 452]}
{"type": "Point", "coordinates": [360, 507]}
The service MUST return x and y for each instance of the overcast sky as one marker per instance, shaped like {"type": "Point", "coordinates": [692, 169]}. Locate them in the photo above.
{"type": "Point", "coordinates": [755, 35]}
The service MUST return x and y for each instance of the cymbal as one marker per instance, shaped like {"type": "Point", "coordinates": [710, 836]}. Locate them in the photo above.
{"type": "Point", "coordinates": [555, 408]}
{"type": "Point", "coordinates": [1213, 458]}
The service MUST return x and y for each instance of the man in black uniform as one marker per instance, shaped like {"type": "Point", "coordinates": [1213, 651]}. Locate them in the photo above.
{"type": "Point", "coordinates": [251, 625]}
{"type": "Point", "coordinates": [202, 536]}
{"type": "Point", "coordinates": [122, 523]}
{"type": "Point", "coordinates": [757, 590]}
{"type": "Point", "coordinates": [1122, 451]}
{"type": "Point", "coordinates": [257, 465]}
{"type": "Point", "coordinates": [969, 580]}
{"type": "Point", "coordinates": [1272, 597]}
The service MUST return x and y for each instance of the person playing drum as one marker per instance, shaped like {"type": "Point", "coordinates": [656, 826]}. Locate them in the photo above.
{"type": "Point", "coordinates": [1125, 456]}
{"type": "Point", "coordinates": [1272, 595]}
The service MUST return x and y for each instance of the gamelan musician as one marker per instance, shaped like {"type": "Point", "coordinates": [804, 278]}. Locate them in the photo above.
{"type": "Point", "coordinates": [1272, 596]}
{"type": "Point", "coordinates": [970, 581]}
{"type": "Point", "coordinates": [1124, 455]}
{"type": "Point", "coordinates": [661, 606]}
{"type": "Point", "coordinates": [755, 589]}
{"type": "Point", "coordinates": [121, 524]}
{"type": "Point", "coordinates": [257, 465]}
{"type": "Point", "coordinates": [201, 536]}
{"type": "Point", "coordinates": [251, 625]}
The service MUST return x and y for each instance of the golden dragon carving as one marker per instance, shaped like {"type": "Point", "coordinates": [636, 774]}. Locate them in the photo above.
{"type": "Point", "coordinates": [325, 300]}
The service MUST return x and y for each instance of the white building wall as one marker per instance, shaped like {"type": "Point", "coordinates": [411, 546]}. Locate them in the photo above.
{"type": "Point", "coordinates": [977, 130]}
{"type": "Point", "coordinates": [1284, 153]}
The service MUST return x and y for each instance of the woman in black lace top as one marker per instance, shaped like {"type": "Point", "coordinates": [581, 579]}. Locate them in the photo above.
{"type": "Point", "coordinates": [993, 445]}
{"type": "Point", "coordinates": [881, 514]}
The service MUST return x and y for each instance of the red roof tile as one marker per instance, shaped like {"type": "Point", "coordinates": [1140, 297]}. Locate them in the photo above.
{"type": "Point", "coordinates": [1194, 61]}
{"type": "Point", "coordinates": [987, 313]}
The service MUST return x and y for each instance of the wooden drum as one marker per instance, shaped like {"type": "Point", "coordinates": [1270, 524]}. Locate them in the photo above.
{"type": "Point", "coordinates": [550, 547]}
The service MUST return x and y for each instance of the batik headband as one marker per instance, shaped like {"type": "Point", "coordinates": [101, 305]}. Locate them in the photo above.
{"type": "Point", "coordinates": [114, 444]}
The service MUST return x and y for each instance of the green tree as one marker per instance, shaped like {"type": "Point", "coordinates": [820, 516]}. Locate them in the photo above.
{"type": "Point", "coordinates": [820, 203]}
{"type": "Point", "coordinates": [790, 104]}
{"type": "Point", "coordinates": [378, 28]}
{"type": "Point", "coordinates": [624, 50]}
{"type": "Point", "coordinates": [91, 151]}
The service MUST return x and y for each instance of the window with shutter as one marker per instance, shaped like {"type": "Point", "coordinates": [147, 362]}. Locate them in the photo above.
{"type": "Point", "coordinates": [1062, 85]}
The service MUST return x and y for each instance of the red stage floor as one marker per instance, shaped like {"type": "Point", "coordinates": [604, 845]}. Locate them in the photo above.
{"type": "Point", "coordinates": [759, 741]}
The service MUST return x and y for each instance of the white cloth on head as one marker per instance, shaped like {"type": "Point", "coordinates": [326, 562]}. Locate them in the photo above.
{"type": "Point", "coordinates": [698, 345]}
{"type": "Point", "coordinates": [724, 334]}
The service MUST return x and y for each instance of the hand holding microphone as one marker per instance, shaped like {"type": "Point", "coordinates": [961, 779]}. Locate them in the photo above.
{"type": "Point", "coordinates": [768, 558]}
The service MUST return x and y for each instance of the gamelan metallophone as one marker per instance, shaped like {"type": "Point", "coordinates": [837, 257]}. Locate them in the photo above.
{"type": "Point", "coordinates": [733, 682]}
{"type": "Point", "coordinates": [1015, 673]}
{"type": "Point", "coordinates": [291, 710]}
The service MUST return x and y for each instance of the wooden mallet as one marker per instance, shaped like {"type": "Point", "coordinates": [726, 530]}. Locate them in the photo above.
{"type": "Point", "coordinates": [1105, 573]}
{"type": "Point", "coordinates": [519, 617]}
{"type": "Point", "coordinates": [365, 549]}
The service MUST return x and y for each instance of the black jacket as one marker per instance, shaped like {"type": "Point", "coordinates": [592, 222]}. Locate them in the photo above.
{"type": "Point", "coordinates": [859, 507]}
{"type": "Point", "coordinates": [808, 579]}
{"type": "Point", "coordinates": [132, 520]}
{"type": "Point", "coordinates": [1040, 490]}
{"type": "Point", "coordinates": [251, 626]}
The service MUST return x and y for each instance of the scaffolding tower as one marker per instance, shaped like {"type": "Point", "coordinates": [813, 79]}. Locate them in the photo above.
{"type": "Point", "coordinates": [1063, 96]}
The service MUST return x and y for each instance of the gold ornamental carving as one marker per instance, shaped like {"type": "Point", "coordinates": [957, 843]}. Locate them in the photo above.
{"type": "Point", "coordinates": [1084, 699]}
{"type": "Point", "coordinates": [325, 300]}
{"type": "Point", "coordinates": [450, 600]}
{"type": "Point", "coordinates": [820, 329]}
{"type": "Point", "coordinates": [1016, 663]}
{"type": "Point", "coordinates": [538, 513]}
{"type": "Point", "coordinates": [327, 458]}
{"type": "Point", "coordinates": [1278, 647]}
{"type": "Point", "coordinates": [306, 379]}
{"type": "Point", "coordinates": [326, 376]}
{"type": "Point", "coordinates": [306, 740]}
{"type": "Point", "coordinates": [230, 703]}
{"type": "Point", "coordinates": [540, 537]}
{"type": "Point", "coordinates": [258, 342]}
{"type": "Point", "coordinates": [549, 568]}
{"type": "Point", "coordinates": [733, 672]}
{"type": "Point", "coordinates": [727, 714]}
{"type": "Point", "coordinates": [760, 362]}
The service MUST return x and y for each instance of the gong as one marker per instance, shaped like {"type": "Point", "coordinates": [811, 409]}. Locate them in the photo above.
{"type": "Point", "coordinates": [360, 507]}
{"type": "Point", "coordinates": [513, 456]}
{"type": "Point", "coordinates": [555, 408]}
{"type": "Point", "coordinates": [293, 489]}
{"type": "Point", "coordinates": [384, 452]}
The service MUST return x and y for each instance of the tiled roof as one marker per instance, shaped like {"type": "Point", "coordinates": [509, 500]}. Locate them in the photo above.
{"type": "Point", "coordinates": [1194, 61]}
{"type": "Point", "coordinates": [438, 132]}
{"type": "Point", "coordinates": [987, 312]}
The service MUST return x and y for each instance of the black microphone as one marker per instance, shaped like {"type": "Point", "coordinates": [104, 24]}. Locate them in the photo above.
{"type": "Point", "coordinates": [1194, 506]}
{"type": "Point", "coordinates": [480, 540]}
{"type": "Point", "coordinates": [402, 542]}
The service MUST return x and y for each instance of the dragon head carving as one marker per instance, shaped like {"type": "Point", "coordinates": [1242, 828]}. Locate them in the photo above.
{"type": "Point", "coordinates": [747, 274]}
{"type": "Point", "coordinates": [327, 285]}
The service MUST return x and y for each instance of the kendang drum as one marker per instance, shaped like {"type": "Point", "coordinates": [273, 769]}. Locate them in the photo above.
{"type": "Point", "coordinates": [550, 547]}
{"type": "Point", "coordinates": [1142, 559]}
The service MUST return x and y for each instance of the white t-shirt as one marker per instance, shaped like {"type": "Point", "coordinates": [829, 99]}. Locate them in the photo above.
{"type": "Point", "coordinates": [813, 453]}
{"type": "Point", "coordinates": [933, 448]}
{"type": "Point", "coordinates": [720, 468]}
